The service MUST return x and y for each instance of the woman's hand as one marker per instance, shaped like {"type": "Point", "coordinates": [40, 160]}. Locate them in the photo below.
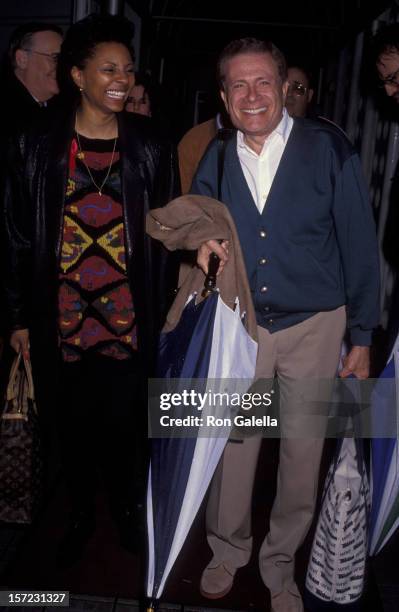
{"type": "Point", "coordinates": [20, 342]}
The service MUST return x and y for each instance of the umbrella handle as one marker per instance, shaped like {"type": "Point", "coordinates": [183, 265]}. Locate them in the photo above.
{"type": "Point", "coordinates": [210, 279]}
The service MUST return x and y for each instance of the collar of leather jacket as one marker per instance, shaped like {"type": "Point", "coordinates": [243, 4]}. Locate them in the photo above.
{"type": "Point", "coordinates": [131, 141]}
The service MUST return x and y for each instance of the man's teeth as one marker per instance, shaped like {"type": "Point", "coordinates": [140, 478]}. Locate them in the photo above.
{"type": "Point", "coordinates": [254, 111]}
{"type": "Point", "coordinates": [114, 93]}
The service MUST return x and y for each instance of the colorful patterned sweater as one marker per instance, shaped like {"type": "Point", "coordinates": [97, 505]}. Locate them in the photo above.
{"type": "Point", "coordinates": [96, 312]}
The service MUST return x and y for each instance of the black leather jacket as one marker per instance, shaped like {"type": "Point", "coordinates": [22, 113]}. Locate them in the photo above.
{"type": "Point", "coordinates": [33, 223]}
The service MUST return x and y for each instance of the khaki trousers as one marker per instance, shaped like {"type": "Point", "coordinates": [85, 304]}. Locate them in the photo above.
{"type": "Point", "coordinates": [300, 356]}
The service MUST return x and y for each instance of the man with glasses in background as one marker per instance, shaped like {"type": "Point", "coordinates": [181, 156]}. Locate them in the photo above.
{"type": "Point", "coordinates": [299, 93]}
{"type": "Point", "coordinates": [386, 55]}
{"type": "Point", "coordinates": [31, 81]}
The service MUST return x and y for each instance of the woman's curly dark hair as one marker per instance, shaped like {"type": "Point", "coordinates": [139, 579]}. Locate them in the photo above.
{"type": "Point", "coordinates": [81, 40]}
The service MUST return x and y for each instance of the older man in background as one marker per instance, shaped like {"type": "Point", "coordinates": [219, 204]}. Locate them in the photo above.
{"type": "Point", "coordinates": [31, 82]}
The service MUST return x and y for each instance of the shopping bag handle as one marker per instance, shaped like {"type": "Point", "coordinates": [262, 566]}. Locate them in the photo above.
{"type": "Point", "coordinates": [360, 459]}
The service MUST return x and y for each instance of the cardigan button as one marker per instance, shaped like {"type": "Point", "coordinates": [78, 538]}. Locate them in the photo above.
{"type": "Point", "coordinates": [263, 289]}
{"type": "Point", "coordinates": [262, 261]}
{"type": "Point", "coordinates": [262, 233]}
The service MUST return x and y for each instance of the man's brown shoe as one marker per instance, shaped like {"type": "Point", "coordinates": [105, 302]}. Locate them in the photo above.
{"type": "Point", "coordinates": [216, 582]}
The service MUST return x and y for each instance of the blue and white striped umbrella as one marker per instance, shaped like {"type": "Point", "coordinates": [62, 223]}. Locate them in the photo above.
{"type": "Point", "coordinates": [209, 342]}
{"type": "Point", "coordinates": [384, 519]}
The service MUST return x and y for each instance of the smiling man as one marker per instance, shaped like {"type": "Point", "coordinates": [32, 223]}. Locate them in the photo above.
{"type": "Point", "coordinates": [296, 193]}
{"type": "Point", "coordinates": [30, 78]}
{"type": "Point", "coordinates": [33, 53]}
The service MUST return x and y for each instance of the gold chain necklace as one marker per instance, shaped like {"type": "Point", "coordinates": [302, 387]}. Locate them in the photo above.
{"type": "Point", "coordinates": [81, 156]}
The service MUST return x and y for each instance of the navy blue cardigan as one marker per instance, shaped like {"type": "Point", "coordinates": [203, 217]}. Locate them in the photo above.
{"type": "Point", "coordinates": [314, 247]}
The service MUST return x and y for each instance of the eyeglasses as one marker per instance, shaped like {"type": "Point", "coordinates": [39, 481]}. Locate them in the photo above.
{"type": "Point", "coordinates": [52, 56]}
{"type": "Point", "coordinates": [392, 80]}
{"type": "Point", "coordinates": [296, 88]}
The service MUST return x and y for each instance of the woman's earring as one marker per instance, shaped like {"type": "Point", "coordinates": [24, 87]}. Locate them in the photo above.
{"type": "Point", "coordinates": [80, 88]}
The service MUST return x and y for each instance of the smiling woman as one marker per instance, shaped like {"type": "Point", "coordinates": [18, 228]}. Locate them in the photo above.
{"type": "Point", "coordinates": [104, 81]}
{"type": "Point", "coordinates": [87, 290]}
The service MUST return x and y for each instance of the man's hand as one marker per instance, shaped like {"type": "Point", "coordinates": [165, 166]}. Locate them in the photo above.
{"type": "Point", "coordinates": [20, 342]}
{"type": "Point", "coordinates": [357, 362]}
{"type": "Point", "coordinates": [213, 246]}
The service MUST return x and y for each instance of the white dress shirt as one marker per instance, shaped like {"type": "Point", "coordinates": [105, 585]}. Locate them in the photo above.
{"type": "Point", "coordinates": [260, 170]}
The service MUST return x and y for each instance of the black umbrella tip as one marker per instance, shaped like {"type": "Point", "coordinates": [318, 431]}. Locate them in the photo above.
{"type": "Point", "coordinates": [151, 606]}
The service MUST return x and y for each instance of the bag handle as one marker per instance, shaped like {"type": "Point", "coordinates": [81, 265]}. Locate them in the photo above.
{"type": "Point", "coordinates": [29, 377]}
{"type": "Point", "coordinates": [358, 443]}
{"type": "Point", "coordinates": [12, 378]}
{"type": "Point", "coordinates": [11, 390]}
